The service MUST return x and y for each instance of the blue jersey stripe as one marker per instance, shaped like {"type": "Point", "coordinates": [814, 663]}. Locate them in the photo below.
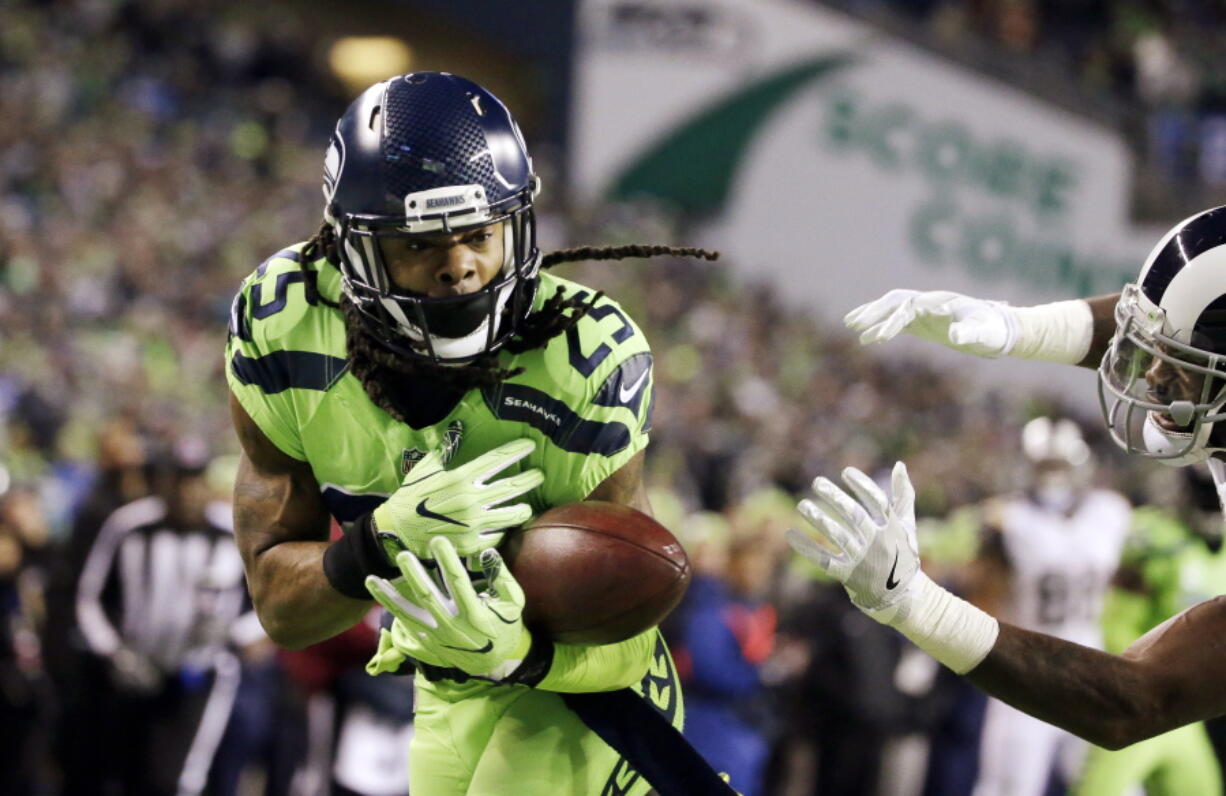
{"type": "Point", "coordinates": [286, 254]}
{"type": "Point", "coordinates": [285, 370]}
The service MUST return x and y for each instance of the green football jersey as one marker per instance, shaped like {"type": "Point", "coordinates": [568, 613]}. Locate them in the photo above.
{"type": "Point", "coordinates": [1176, 570]}
{"type": "Point", "coordinates": [585, 398]}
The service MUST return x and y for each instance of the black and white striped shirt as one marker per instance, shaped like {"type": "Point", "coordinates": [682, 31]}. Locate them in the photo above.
{"type": "Point", "coordinates": [172, 594]}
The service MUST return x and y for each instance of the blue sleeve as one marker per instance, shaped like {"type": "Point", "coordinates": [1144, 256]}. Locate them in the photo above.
{"type": "Point", "coordinates": [718, 665]}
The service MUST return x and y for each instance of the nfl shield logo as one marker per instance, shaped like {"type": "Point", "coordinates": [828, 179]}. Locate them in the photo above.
{"type": "Point", "coordinates": [410, 458]}
{"type": "Point", "coordinates": [451, 443]}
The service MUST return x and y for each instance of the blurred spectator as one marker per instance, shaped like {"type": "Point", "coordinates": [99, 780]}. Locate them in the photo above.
{"type": "Point", "coordinates": [843, 707]}
{"type": "Point", "coordinates": [1151, 66]}
{"type": "Point", "coordinates": [357, 727]}
{"type": "Point", "coordinates": [723, 633]}
{"type": "Point", "coordinates": [160, 603]}
{"type": "Point", "coordinates": [24, 690]}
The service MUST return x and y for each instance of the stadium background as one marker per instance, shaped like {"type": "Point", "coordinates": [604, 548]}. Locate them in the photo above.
{"type": "Point", "coordinates": [153, 152]}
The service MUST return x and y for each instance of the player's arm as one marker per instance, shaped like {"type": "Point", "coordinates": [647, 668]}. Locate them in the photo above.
{"type": "Point", "coordinates": [1102, 316]}
{"type": "Point", "coordinates": [281, 528]}
{"type": "Point", "coordinates": [625, 485]}
{"type": "Point", "coordinates": [1073, 332]}
{"type": "Point", "coordinates": [1167, 678]}
{"type": "Point", "coordinates": [866, 541]}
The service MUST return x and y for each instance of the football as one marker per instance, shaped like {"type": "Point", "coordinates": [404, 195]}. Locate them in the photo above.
{"type": "Point", "coordinates": [596, 572]}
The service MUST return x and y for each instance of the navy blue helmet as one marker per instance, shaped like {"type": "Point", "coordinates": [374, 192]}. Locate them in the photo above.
{"type": "Point", "coordinates": [431, 153]}
{"type": "Point", "coordinates": [1162, 383]}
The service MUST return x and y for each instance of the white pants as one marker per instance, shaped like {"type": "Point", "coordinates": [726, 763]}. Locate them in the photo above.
{"type": "Point", "coordinates": [1018, 752]}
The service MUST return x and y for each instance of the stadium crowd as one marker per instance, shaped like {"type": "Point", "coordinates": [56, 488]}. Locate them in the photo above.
{"type": "Point", "coordinates": [1149, 65]}
{"type": "Point", "coordinates": [164, 151]}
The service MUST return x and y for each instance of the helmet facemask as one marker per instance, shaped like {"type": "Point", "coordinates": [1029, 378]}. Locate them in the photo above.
{"type": "Point", "coordinates": [1161, 390]}
{"type": "Point", "coordinates": [452, 330]}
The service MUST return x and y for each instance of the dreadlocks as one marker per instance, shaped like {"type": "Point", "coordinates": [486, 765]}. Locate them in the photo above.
{"type": "Point", "coordinates": [384, 375]}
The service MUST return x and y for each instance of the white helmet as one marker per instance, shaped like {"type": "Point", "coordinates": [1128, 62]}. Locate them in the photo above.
{"type": "Point", "coordinates": [1047, 440]}
{"type": "Point", "coordinates": [1059, 459]}
{"type": "Point", "coordinates": [1162, 384]}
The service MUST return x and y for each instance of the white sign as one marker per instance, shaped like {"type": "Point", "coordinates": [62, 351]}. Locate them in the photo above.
{"type": "Point", "coordinates": [837, 162]}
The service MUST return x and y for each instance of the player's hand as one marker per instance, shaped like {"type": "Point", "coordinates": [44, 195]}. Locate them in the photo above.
{"type": "Point", "coordinates": [134, 672]}
{"type": "Point", "coordinates": [481, 633]}
{"type": "Point", "coordinates": [869, 539]}
{"type": "Point", "coordinates": [973, 326]}
{"type": "Point", "coordinates": [462, 504]}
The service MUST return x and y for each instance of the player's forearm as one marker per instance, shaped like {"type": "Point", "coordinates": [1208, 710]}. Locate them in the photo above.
{"type": "Point", "coordinates": [1102, 310]}
{"type": "Point", "coordinates": [1102, 698]}
{"type": "Point", "coordinates": [604, 667]}
{"type": "Point", "coordinates": [1165, 680]}
{"type": "Point", "coordinates": [296, 604]}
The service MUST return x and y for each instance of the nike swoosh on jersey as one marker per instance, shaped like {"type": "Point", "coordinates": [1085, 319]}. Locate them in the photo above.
{"type": "Point", "coordinates": [422, 511]}
{"type": "Point", "coordinates": [624, 394]}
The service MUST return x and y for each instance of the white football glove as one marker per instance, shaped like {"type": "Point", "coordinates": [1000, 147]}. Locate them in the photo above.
{"type": "Point", "coordinates": [870, 547]}
{"type": "Point", "coordinates": [482, 634]}
{"type": "Point", "coordinates": [974, 326]}
{"type": "Point", "coordinates": [459, 504]}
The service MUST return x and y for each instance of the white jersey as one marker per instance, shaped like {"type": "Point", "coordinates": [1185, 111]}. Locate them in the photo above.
{"type": "Point", "coordinates": [1061, 565]}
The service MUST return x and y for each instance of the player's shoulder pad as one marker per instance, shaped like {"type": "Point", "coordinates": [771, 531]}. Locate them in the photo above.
{"type": "Point", "coordinates": [279, 336]}
{"type": "Point", "coordinates": [588, 389]}
{"type": "Point", "coordinates": [606, 355]}
{"type": "Point", "coordinates": [273, 311]}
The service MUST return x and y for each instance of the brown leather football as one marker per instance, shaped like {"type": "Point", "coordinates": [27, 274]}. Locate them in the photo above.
{"type": "Point", "coordinates": [596, 572]}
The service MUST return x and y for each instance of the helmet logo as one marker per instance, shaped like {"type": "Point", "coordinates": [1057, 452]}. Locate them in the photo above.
{"type": "Point", "coordinates": [334, 164]}
{"type": "Point", "coordinates": [476, 101]}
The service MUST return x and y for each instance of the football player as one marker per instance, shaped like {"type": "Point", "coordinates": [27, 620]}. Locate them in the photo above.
{"type": "Point", "coordinates": [411, 372]}
{"type": "Point", "coordinates": [1046, 560]}
{"type": "Point", "coordinates": [1172, 560]}
{"type": "Point", "coordinates": [1162, 383]}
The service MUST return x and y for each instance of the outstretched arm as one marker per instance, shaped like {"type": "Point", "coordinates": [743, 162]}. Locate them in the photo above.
{"type": "Point", "coordinates": [1168, 678]}
{"type": "Point", "coordinates": [1102, 313]}
{"type": "Point", "coordinates": [1073, 332]}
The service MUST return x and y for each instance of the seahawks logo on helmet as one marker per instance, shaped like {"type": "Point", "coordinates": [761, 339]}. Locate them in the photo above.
{"type": "Point", "coordinates": [334, 164]}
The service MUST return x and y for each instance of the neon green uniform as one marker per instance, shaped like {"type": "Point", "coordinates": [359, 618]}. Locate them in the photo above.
{"type": "Point", "coordinates": [585, 398]}
{"type": "Point", "coordinates": [1177, 571]}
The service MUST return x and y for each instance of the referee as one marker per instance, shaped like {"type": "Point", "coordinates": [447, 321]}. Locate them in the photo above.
{"type": "Point", "coordinates": [161, 603]}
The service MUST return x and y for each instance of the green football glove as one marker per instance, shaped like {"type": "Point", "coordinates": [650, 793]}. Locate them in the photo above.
{"type": "Point", "coordinates": [482, 634]}
{"type": "Point", "coordinates": [458, 504]}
